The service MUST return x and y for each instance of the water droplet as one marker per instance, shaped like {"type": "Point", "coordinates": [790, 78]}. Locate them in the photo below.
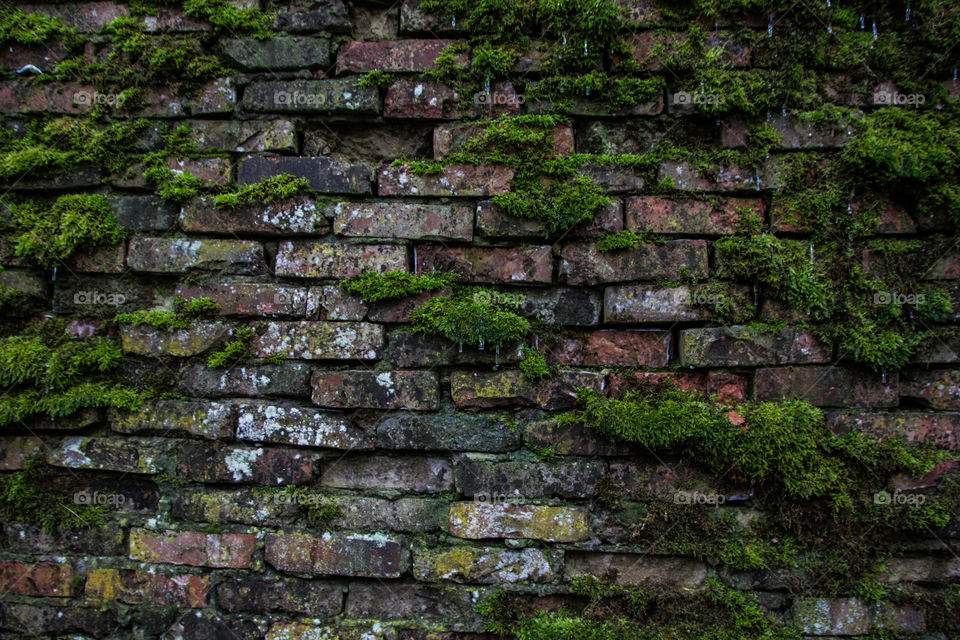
{"type": "Point", "coordinates": [828, 4]}
{"type": "Point", "coordinates": [861, 22]}
{"type": "Point", "coordinates": [584, 47]}
{"type": "Point", "coordinates": [770, 30]}
{"type": "Point", "coordinates": [883, 378]}
{"type": "Point", "coordinates": [453, 21]}
{"type": "Point", "coordinates": [480, 347]}
{"type": "Point", "coordinates": [564, 39]}
{"type": "Point", "coordinates": [874, 30]}
{"type": "Point", "coordinates": [461, 347]}
{"type": "Point", "coordinates": [907, 18]}
{"type": "Point", "coordinates": [829, 28]}
{"type": "Point", "coordinates": [954, 74]}
{"type": "Point", "coordinates": [496, 357]}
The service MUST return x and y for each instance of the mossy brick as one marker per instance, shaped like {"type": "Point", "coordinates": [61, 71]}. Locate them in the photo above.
{"type": "Point", "coordinates": [102, 259]}
{"type": "Point", "coordinates": [288, 595]}
{"type": "Point", "coordinates": [946, 267]}
{"type": "Point", "coordinates": [477, 477]}
{"type": "Point", "coordinates": [314, 340]}
{"type": "Point", "coordinates": [299, 426]}
{"type": "Point", "coordinates": [194, 548]}
{"type": "Point", "coordinates": [824, 617]}
{"type": "Point", "coordinates": [68, 98]}
{"type": "Point", "coordinates": [36, 579]}
{"type": "Point", "coordinates": [394, 56]}
{"type": "Point", "coordinates": [298, 215]}
{"type": "Point", "coordinates": [697, 217]}
{"type": "Point", "coordinates": [420, 99]}
{"type": "Point", "coordinates": [746, 346]}
{"type": "Point", "coordinates": [357, 389]}
{"type": "Point", "coordinates": [510, 388]}
{"type": "Point", "coordinates": [16, 450]}
{"type": "Point", "coordinates": [278, 53]}
{"type": "Point", "coordinates": [563, 305]}
{"type": "Point", "coordinates": [482, 565]}
{"type": "Point", "coordinates": [73, 422]}
{"type": "Point", "coordinates": [130, 586]}
{"type": "Point", "coordinates": [44, 56]}
{"type": "Point", "coordinates": [325, 175]}
{"type": "Point", "coordinates": [331, 302]}
{"type": "Point", "coordinates": [662, 481]}
{"type": "Point", "coordinates": [610, 347]}
{"type": "Point", "coordinates": [303, 259]}
{"type": "Point", "coordinates": [250, 298]}
{"type": "Point", "coordinates": [929, 570]}
{"type": "Point", "coordinates": [145, 340]}
{"type": "Point", "coordinates": [142, 213]}
{"type": "Point", "coordinates": [243, 136]}
{"type": "Point", "coordinates": [582, 106]}
{"type": "Point", "coordinates": [329, 97]}
{"type": "Point", "coordinates": [652, 49]}
{"type": "Point", "coordinates": [105, 540]}
{"type": "Point", "coordinates": [30, 284]}
{"type": "Point", "coordinates": [448, 431]}
{"type": "Point", "coordinates": [226, 464]}
{"type": "Point", "coordinates": [406, 515]}
{"type": "Point", "coordinates": [402, 220]}
{"type": "Point", "coordinates": [209, 623]}
{"type": "Point", "coordinates": [325, 15]}
{"type": "Point", "coordinates": [414, 474]}
{"type": "Point", "coordinates": [176, 255]}
{"type": "Point", "coordinates": [794, 133]}
{"type": "Point", "coordinates": [76, 177]}
{"type": "Point", "coordinates": [907, 619]}
{"type": "Point", "coordinates": [450, 138]}
{"type": "Point", "coordinates": [641, 304]}
{"type": "Point", "coordinates": [130, 455]}
{"type": "Point", "coordinates": [614, 178]}
{"type": "Point", "coordinates": [413, 20]}
{"type": "Point", "coordinates": [488, 264]}
{"type": "Point", "coordinates": [133, 495]}
{"type": "Point", "coordinates": [400, 309]}
{"type": "Point", "coordinates": [258, 506]}
{"type": "Point", "coordinates": [456, 180]}
{"type": "Point", "coordinates": [686, 177]}
{"type": "Point", "coordinates": [827, 386]}
{"type": "Point", "coordinates": [338, 554]}
{"type": "Point", "coordinates": [484, 520]}
{"type": "Point", "coordinates": [938, 388]}
{"type": "Point", "coordinates": [940, 429]}
{"type": "Point", "coordinates": [494, 222]}
{"type": "Point", "coordinates": [583, 264]}
{"type": "Point", "coordinates": [407, 348]}
{"type": "Point", "coordinates": [729, 387]}
{"type": "Point", "coordinates": [215, 171]}
{"type": "Point", "coordinates": [210, 420]}
{"type": "Point", "coordinates": [423, 603]}
{"type": "Point", "coordinates": [571, 440]}
{"type": "Point", "coordinates": [292, 379]}
{"type": "Point", "coordinates": [636, 569]}
{"type": "Point", "coordinates": [40, 620]}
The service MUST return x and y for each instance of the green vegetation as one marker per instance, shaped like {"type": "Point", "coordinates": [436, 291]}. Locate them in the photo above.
{"type": "Point", "coordinates": [374, 78]}
{"type": "Point", "coordinates": [320, 510]}
{"type": "Point", "coordinates": [17, 27]}
{"type": "Point", "coordinates": [374, 287]}
{"type": "Point", "coordinates": [183, 314]}
{"type": "Point", "coordinates": [534, 366]}
{"type": "Point", "coordinates": [235, 351]}
{"type": "Point", "coordinates": [26, 496]}
{"type": "Point", "coordinates": [274, 189]}
{"type": "Point", "coordinates": [626, 241]}
{"type": "Point", "coordinates": [463, 319]}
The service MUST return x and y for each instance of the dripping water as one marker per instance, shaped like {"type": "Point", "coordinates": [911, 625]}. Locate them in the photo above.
{"type": "Point", "coordinates": [874, 29]}
{"type": "Point", "coordinates": [861, 22]}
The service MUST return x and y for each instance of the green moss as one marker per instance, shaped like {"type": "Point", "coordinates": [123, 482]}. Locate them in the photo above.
{"type": "Point", "coordinates": [25, 496]}
{"type": "Point", "coordinates": [184, 313]}
{"type": "Point", "coordinates": [274, 189]}
{"type": "Point", "coordinates": [534, 366]}
{"type": "Point", "coordinates": [374, 79]}
{"type": "Point", "coordinates": [626, 241]}
{"type": "Point", "coordinates": [234, 351]}
{"type": "Point", "coordinates": [464, 320]}
{"type": "Point", "coordinates": [17, 27]}
{"type": "Point", "coordinates": [375, 287]}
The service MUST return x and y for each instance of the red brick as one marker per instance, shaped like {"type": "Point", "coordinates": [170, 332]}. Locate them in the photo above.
{"type": "Point", "coordinates": [415, 99]}
{"type": "Point", "coordinates": [331, 302]}
{"type": "Point", "coordinates": [730, 388]}
{"type": "Point", "coordinates": [296, 215]}
{"type": "Point", "coordinates": [449, 138]}
{"type": "Point", "coordinates": [401, 220]}
{"type": "Point", "coordinates": [827, 386]}
{"type": "Point", "coordinates": [15, 450]}
{"type": "Point", "coordinates": [332, 260]}
{"type": "Point", "coordinates": [35, 579]}
{"type": "Point", "coordinates": [319, 340]}
{"type": "Point", "coordinates": [213, 170]}
{"type": "Point", "coordinates": [610, 348]}
{"type": "Point", "coordinates": [393, 55]}
{"type": "Point", "coordinates": [338, 554]}
{"type": "Point", "coordinates": [744, 346]}
{"type": "Point", "coordinates": [582, 264]}
{"type": "Point", "coordinates": [482, 264]}
{"type": "Point", "coordinates": [940, 389]}
{"type": "Point", "coordinates": [939, 429]}
{"type": "Point", "coordinates": [795, 134]}
{"type": "Point", "coordinates": [176, 255]}
{"type": "Point", "coordinates": [727, 178]}
{"type": "Point", "coordinates": [130, 586]}
{"type": "Point", "coordinates": [415, 390]}
{"type": "Point", "coordinates": [664, 215]}
{"type": "Point", "coordinates": [102, 259]}
{"type": "Point", "coordinates": [456, 180]}
{"type": "Point", "coordinates": [250, 298]}
{"type": "Point", "coordinates": [45, 56]}
{"type": "Point", "coordinates": [510, 388]}
{"type": "Point", "coordinates": [412, 474]}
{"type": "Point", "coordinates": [222, 550]}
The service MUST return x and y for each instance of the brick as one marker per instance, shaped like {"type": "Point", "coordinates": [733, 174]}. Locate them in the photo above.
{"type": "Point", "coordinates": [633, 304]}
{"type": "Point", "coordinates": [400, 310]}
{"type": "Point", "coordinates": [582, 264]}
{"type": "Point", "coordinates": [278, 53]}
{"type": "Point", "coordinates": [409, 99]}
{"type": "Point", "coordinates": [479, 565]}
{"type": "Point", "coordinates": [244, 506]}
{"type": "Point", "coordinates": [922, 570]}
{"type": "Point", "coordinates": [450, 138]}
{"type": "Point", "coordinates": [634, 348]}
{"type": "Point", "coordinates": [822, 617]}
{"type": "Point", "coordinates": [400, 220]}
{"type": "Point", "coordinates": [250, 298]}
{"type": "Point", "coordinates": [380, 601]}
{"type": "Point", "coordinates": [126, 495]}
{"type": "Point", "coordinates": [583, 106]}
{"type": "Point", "coordinates": [393, 56]}
{"type": "Point", "coordinates": [614, 178]}
{"type": "Point", "coordinates": [21, 538]}
{"type": "Point", "coordinates": [651, 49]}
{"type": "Point", "coordinates": [309, 340]}
{"type": "Point", "coordinates": [324, 174]}
{"type": "Point", "coordinates": [906, 619]}
{"type": "Point", "coordinates": [938, 389]}
{"type": "Point", "coordinates": [327, 15]}
{"type": "Point", "coordinates": [414, 474]}
{"type": "Point", "coordinates": [698, 217]}
{"type": "Point", "coordinates": [243, 136]}
{"type": "Point", "coordinates": [408, 515]}
{"type": "Point", "coordinates": [105, 454]}
{"type": "Point", "coordinates": [31, 284]}
{"type": "Point", "coordinates": [448, 431]}
{"type": "Point", "coordinates": [102, 259]}
{"type": "Point", "coordinates": [663, 481]}
{"type": "Point", "coordinates": [729, 387]}
{"type": "Point", "coordinates": [827, 387]}
{"type": "Point", "coordinates": [523, 480]}
{"type": "Point", "coordinates": [45, 56]}
{"type": "Point", "coordinates": [211, 420]}
{"type": "Point", "coordinates": [296, 215]}
{"type": "Point", "coordinates": [68, 98]}
{"type": "Point", "coordinates": [415, 390]}
{"type": "Point", "coordinates": [484, 264]}
{"type": "Point", "coordinates": [744, 346]}
{"type": "Point", "coordinates": [261, 380]}
{"type": "Point", "coordinates": [145, 340]}
{"type": "Point", "coordinates": [494, 222]}
{"type": "Point", "coordinates": [561, 305]}
{"type": "Point", "coordinates": [142, 213]}
{"type": "Point", "coordinates": [105, 586]}
{"type": "Point", "coordinates": [479, 520]}
{"type": "Point", "coordinates": [90, 295]}
{"type": "Point", "coordinates": [56, 620]}
{"type": "Point", "coordinates": [176, 255]}
{"type": "Point", "coordinates": [407, 348]}
{"type": "Point", "coordinates": [456, 180]}
{"type": "Point", "coordinates": [261, 595]}
{"type": "Point", "coordinates": [337, 554]}
{"type": "Point", "coordinates": [213, 170]}
{"type": "Point", "coordinates": [217, 463]}
{"type": "Point", "coordinates": [299, 426]}
{"type": "Point", "coordinates": [331, 260]}
{"type": "Point", "coordinates": [15, 450]}
{"type": "Point", "coordinates": [940, 347]}
{"type": "Point", "coordinates": [36, 579]}
{"type": "Point", "coordinates": [211, 624]}
{"type": "Point", "coordinates": [794, 134]}
{"type": "Point", "coordinates": [938, 429]}
{"type": "Point", "coordinates": [414, 20]}
{"type": "Point", "coordinates": [727, 178]}
{"type": "Point", "coordinates": [510, 388]}
{"type": "Point", "coordinates": [329, 97]}
{"type": "Point", "coordinates": [637, 569]}
{"type": "Point", "coordinates": [331, 302]}
{"type": "Point", "coordinates": [219, 550]}
{"type": "Point", "coordinates": [571, 440]}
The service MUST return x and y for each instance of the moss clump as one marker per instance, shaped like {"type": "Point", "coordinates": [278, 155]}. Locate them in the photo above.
{"type": "Point", "coordinates": [25, 496]}
{"type": "Point", "coordinates": [234, 351]}
{"type": "Point", "coordinates": [626, 241]}
{"type": "Point", "coordinates": [534, 366]}
{"type": "Point", "coordinates": [320, 510]}
{"type": "Point", "coordinates": [184, 313]}
{"type": "Point", "coordinates": [273, 189]}
{"type": "Point", "coordinates": [464, 320]}
{"type": "Point", "coordinates": [17, 27]}
{"type": "Point", "coordinates": [374, 79]}
{"type": "Point", "coordinates": [374, 287]}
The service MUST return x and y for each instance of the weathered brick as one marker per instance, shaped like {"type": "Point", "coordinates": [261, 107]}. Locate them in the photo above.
{"type": "Point", "coordinates": [393, 56]}
{"type": "Point", "coordinates": [561, 305]}
{"type": "Point", "coordinates": [663, 481]}
{"type": "Point", "coordinates": [299, 426]}
{"type": "Point", "coordinates": [510, 388]}
{"type": "Point", "coordinates": [69, 98]}
{"type": "Point", "coordinates": [211, 624]}
{"type": "Point", "coordinates": [281, 52]}
{"type": "Point", "coordinates": [218, 463]}
{"type": "Point", "coordinates": [30, 284]}
{"type": "Point", "coordinates": [448, 431]}
{"type": "Point", "coordinates": [324, 174]}
{"type": "Point", "coordinates": [939, 429]}
{"type": "Point", "coordinates": [146, 340]}
{"type": "Point", "coordinates": [408, 348]}
{"type": "Point", "coordinates": [582, 106]}
{"type": "Point", "coordinates": [827, 386]}
{"type": "Point", "coordinates": [250, 298]}
{"type": "Point", "coordinates": [583, 264]}
{"type": "Point", "coordinates": [449, 138]}
{"type": "Point", "coordinates": [91, 295]}
{"type": "Point", "coordinates": [45, 56]}
{"type": "Point", "coordinates": [477, 477]}
{"type": "Point", "coordinates": [380, 601]}
{"type": "Point", "coordinates": [332, 97]}
{"type": "Point", "coordinates": [483, 264]}
{"type": "Point", "coordinates": [409, 515]}
{"type": "Point", "coordinates": [494, 222]}
{"type": "Point", "coordinates": [257, 506]}
{"type": "Point", "coordinates": [419, 475]}
{"type": "Point", "coordinates": [634, 348]}
{"type": "Point", "coordinates": [142, 213]}
{"type": "Point", "coordinates": [212, 420]}
{"type": "Point", "coordinates": [726, 178]}
{"type": "Point", "coordinates": [213, 170]}
{"type": "Point", "coordinates": [744, 346]}
{"type": "Point", "coordinates": [56, 620]}
{"type": "Point", "coordinates": [481, 520]}
{"type": "Point", "coordinates": [222, 550]}
{"type": "Point", "coordinates": [36, 579]}
{"type": "Point", "coordinates": [926, 569]}
{"type": "Point", "coordinates": [400, 310]}
{"type": "Point", "coordinates": [105, 540]}
{"type": "Point", "coordinates": [319, 340]}
{"type": "Point", "coordinates": [639, 304]}
{"type": "Point", "coordinates": [821, 617]}
{"type": "Point", "coordinates": [106, 454]}
{"type": "Point", "coordinates": [296, 215]}
{"type": "Point", "coordinates": [571, 440]}
{"type": "Point", "coordinates": [330, 260]}
{"type": "Point", "coordinates": [326, 15]}
{"type": "Point", "coordinates": [482, 565]}
{"type": "Point", "coordinates": [415, 390]}
{"type": "Point", "coordinates": [728, 387]}
{"type": "Point", "coordinates": [400, 220]}
{"type": "Point", "coordinates": [120, 494]}
{"type": "Point", "coordinates": [637, 569]}
{"type": "Point", "coordinates": [261, 595]}
{"type": "Point", "coordinates": [409, 99]}
{"type": "Point", "coordinates": [939, 389]}
{"type": "Point", "coordinates": [15, 450]}
{"type": "Point", "coordinates": [664, 215]}
{"type": "Point", "coordinates": [176, 255]}
{"type": "Point", "coordinates": [102, 259]}
{"type": "Point", "coordinates": [415, 20]}
{"type": "Point", "coordinates": [794, 134]}
{"type": "Point", "coordinates": [105, 586]}
{"type": "Point", "coordinates": [261, 380]}
{"type": "Point", "coordinates": [243, 136]}
{"type": "Point", "coordinates": [337, 554]}
{"type": "Point", "coordinates": [331, 302]}
{"type": "Point", "coordinates": [456, 180]}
